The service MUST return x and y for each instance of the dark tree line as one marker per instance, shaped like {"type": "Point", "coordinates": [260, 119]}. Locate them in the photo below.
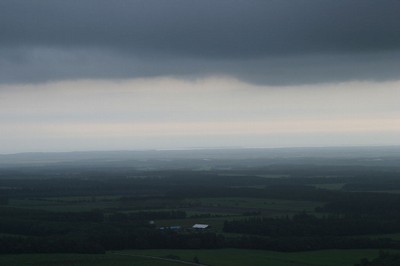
{"type": "Point", "coordinates": [304, 225]}
{"type": "Point", "coordinates": [383, 205]}
{"type": "Point", "coordinates": [145, 216]}
{"type": "Point", "coordinates": [97, 241]}
{"type": "Point", "coordinates": [384, 259]}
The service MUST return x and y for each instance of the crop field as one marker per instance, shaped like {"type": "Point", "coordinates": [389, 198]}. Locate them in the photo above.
{"type": "Point", "coordinates": [64, 205]}
{"type": "Point", "coordinates": [81, 260]}
{"type": "Point", "coordinates": [81, 204]}
{"type": "Point", "coordinates": [240, 257]}
{"type": "Point", "coordinates": [223, 257]}
{"type": "Point", "coordinates": [333, 186]}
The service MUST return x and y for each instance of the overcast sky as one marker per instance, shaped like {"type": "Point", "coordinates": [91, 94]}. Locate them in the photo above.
{"type": "Point", "coordinates": [166, 74]}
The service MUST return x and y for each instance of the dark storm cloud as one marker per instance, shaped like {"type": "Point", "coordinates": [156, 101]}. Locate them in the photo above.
{"type": "Point", "coordinates": [281, 41]}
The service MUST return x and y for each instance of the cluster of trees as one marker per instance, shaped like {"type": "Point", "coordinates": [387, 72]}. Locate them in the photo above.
{"type": "Point", "coordinates": [101, 238]}
{"type": "Point", "coordinates": [145, 216]}
{"type": "Point", "coordinates": [97, 240]}
{"type": "Point", "coordinates": [275, 191]}
{"type": "Point", "coordinates": [30, 222]}
{"type": "Point", "coordinates": [28, 230]}
{"type": "Point", "coordinates": [371, 186]}
{"type": "Point", "coordinates": [306, 225]}
{"type": "Point", "coordinates": [3, 200]}
{"type": "Point", "coordinates": [384, 259]}
{"type": "Point", "coordinates": [383, 205]}
{"type": "Point", "coordinates": [48, 244]}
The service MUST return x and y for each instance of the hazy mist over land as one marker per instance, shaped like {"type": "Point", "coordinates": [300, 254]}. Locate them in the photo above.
{"type": "Point", "coordinates": [207, 159]}
{"type": "Point", "coordinates": [126, 75]}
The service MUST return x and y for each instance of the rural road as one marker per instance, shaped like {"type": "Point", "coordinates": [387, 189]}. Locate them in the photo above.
{"type": "Point", "coordinates": [159, 258]}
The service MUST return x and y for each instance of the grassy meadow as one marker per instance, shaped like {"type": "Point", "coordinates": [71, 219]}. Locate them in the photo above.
{"type": "Point", "coordinates": [222, 257]}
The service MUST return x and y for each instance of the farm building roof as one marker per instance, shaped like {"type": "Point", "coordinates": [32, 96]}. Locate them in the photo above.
{"type": "Point", "coordinates": [200, 226]}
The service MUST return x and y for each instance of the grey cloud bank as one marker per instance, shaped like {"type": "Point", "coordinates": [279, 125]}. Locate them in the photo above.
{"type": "Point", "coordinates": [40, 65]}
{"type": "Point", "coordinates": [269, 42]}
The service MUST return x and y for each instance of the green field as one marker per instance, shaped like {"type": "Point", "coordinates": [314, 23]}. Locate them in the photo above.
{"type": "Point", "coordinates": [267, 206]}
{"type": "Point", "coordinates": [333, 186]}
{"type": "Point", "coordinates": [222, 257]}
{"type": "Point", "coordinates": [240, 257]}
{"type": "Point", "coordinates": [80, 260]}
{"type": "Point", "coordinates": [81, 204]}
{"type": "Point", "coordinates": [63, 205]}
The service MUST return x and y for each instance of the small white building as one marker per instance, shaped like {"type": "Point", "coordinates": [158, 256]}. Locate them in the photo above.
{"type": "Point", "coordinates": [200, 226]}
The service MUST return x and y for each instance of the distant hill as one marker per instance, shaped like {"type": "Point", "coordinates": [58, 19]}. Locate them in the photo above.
{"type": "Point", "coordinates": [386, 155]}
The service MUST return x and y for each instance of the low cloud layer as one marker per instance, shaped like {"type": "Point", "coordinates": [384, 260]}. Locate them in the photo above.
{"type": "Point", "coordinates": [168, 113]}
{"type": "Point", "coordinates": [264, 42]}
